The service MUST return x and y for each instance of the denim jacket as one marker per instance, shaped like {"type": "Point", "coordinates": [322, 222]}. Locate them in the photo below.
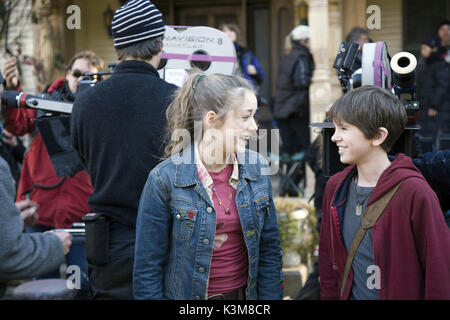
{"type": "Point", "coordinates": [176, 225]}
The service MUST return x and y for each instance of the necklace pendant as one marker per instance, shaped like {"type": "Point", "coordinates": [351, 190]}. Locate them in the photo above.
{"type": "Point", "coordinates": [358, 210]}
{"type": "Point", "coordinates": [220, 202]}
{"type": "Point", "coordinates": [227, 211]}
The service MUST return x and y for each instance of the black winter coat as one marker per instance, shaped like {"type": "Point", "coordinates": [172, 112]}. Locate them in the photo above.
{"type": "Point", "coordinates": [433, 90]}
{"type": "Point", "coordinates": [294, 78]}
{"type": "Point", "coordinates": [118, 128]}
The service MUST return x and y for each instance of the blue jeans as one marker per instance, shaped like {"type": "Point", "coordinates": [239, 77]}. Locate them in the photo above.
{"type": "Point", "coordinates": [76, 256]}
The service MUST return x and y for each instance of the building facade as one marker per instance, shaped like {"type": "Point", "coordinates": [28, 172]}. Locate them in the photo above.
{"type": "Point", "coordinates": [44, 34]}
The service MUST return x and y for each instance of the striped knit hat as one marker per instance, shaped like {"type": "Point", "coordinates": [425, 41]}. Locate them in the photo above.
{"type": "Point", "coordinates": [135, 21]}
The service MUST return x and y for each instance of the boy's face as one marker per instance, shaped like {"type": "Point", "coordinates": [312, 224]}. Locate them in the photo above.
{"type": "Point", "coordinates": [354, 147]}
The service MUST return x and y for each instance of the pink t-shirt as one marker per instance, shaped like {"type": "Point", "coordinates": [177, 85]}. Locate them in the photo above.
{"type": "Point", "coordinates": [229, 264]}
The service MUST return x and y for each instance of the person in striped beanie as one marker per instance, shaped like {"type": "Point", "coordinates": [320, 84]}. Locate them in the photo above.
{"type": "Point", "coordinates": [135, 22]}
{"type": "Point", "coordinates": [117, 127]}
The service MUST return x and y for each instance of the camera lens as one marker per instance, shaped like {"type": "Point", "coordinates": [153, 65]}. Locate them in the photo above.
{"type": "Point", "coordinates": [202, 65]}
{"type": "Point", "coordinates": [403, 62]}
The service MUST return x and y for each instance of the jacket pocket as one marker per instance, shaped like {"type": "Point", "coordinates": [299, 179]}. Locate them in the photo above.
{"type": "Point", "coordinates": [184, 222]}
{"type": "Point", "coordinates": [262, 209]}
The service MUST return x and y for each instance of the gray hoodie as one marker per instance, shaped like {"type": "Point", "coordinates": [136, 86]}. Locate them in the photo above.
{"type": "Point", "coordinates": [22, 255]}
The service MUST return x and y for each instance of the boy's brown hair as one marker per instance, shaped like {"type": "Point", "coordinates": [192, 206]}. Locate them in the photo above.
{"type": "Point", "coordinates": [369, 108]}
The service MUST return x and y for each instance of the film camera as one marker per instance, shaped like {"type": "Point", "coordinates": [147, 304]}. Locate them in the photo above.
{"type": "Point", "coordinates": [396, 75]}
{"type": "Point", "coordinates": [344, 62]}
{"type": "Point", "coordinates": [90, 79]}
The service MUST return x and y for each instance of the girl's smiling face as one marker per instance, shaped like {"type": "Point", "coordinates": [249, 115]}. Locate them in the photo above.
{"type": "Point", "coordinates": [230, 134]}
{"type": "Point", "coordinates": [239, 124]}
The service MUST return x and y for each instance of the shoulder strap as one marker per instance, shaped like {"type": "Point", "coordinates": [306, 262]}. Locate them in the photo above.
{"type": "Point", "coordinates": [371, 216]}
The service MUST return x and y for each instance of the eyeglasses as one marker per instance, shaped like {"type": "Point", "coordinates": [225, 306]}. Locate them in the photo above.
{"type": "Point", "coordinates": [77, 73]}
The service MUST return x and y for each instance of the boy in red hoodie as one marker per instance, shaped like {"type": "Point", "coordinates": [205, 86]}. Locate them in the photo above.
{"type": "Point", "coordinates": [406, 254]}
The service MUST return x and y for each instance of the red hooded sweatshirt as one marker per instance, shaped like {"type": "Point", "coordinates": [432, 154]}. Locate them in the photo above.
{"type": "Point", "coordinates": [411, 242]}
{"type": "Point", "coordinates": [63, 204]}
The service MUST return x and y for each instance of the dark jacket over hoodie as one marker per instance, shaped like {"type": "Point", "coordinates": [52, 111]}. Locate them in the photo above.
{"type": "Point", "coordinates": [117, 127]}
{"type": "Point", "coordinates": [411, 242]}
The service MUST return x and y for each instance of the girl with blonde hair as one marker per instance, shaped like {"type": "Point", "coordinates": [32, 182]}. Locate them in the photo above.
{"type": "Point", "coordinates": [206, 226]}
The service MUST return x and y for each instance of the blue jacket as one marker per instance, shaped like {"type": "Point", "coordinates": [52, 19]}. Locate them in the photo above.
{"type": "Point", "coordinates": [246, 57]}
{"type": "Point", "coordinates": [173, 251]}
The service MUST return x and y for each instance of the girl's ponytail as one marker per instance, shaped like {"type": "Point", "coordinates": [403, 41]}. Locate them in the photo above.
{"type": "Point", "coordinates": [180, 114]}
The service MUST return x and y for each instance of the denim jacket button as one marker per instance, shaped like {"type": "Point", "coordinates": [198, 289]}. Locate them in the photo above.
{"type": "Point", "coordinates": [201, 269]}
{"type": "Point", "coordinates": [178, 217]}
{"type": "Point", "coordinates": [209, 210]}
{"type": "Point", "coordinates": [205, 241]}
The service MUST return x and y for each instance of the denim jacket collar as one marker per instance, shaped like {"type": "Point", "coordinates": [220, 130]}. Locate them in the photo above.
{"type": "Point", "coordinates": [186, 171]}
{"type": "Point", "coordinates": [249, 167]}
